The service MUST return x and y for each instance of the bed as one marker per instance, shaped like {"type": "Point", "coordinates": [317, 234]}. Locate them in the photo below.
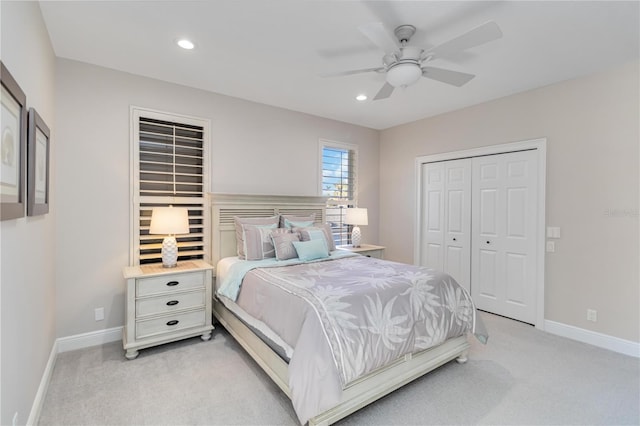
{"type": "Point", "coordinates": [334, 386]}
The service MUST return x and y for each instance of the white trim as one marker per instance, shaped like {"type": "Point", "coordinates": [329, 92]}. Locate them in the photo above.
{"type": "Point", "coordinates": [38, 401]}
{"type": "Point", "coordinates": [538, 144]}
{"type": "Point", "coordinates": [626, 347]}
{"type": "Point", "coordinates": [86, 340]}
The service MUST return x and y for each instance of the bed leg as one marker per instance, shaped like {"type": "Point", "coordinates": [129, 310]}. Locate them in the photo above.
{"type": "Point", "coordinates": [462, 358]}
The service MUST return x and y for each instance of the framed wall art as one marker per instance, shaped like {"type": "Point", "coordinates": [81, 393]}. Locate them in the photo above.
{"type": "Point", "coordinates": [37, 165]}
{"type": "Point", "coordinates": [13, 131]}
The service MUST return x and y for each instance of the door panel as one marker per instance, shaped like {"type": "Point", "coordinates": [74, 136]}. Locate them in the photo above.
{"type": "Point", "coordinates": [516, 212]}
{"type": "Point", "coordinates": [432, 239]}
{"type": "Point", "coordinates": [484, 283]}
{"type": "Point", "coordinates": [517, 276]}
{"type": "Point", "coordinates": [446, 225]}
{"type": "Point", "coordinates": [503, 223]}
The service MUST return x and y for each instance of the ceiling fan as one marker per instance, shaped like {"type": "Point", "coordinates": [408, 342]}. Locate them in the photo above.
{"type": "Point", "coordinates": [404, 65]}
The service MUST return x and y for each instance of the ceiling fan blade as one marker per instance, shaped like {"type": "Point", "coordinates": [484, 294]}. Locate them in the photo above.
{"type": "Point", "coordinates": [384, 92]}
{"type": "Point", "coordinates": [454, 78]}
{"type": "Point", "coordinates": [378, 34]}
{"type": "Point", "coordinates": [477, 36]}
{"type": "Point", "coordinates": [351, 72]}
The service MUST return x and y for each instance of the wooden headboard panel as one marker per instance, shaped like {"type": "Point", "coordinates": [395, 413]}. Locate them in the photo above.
{"type": "Point", "coordinates": [225, 206]}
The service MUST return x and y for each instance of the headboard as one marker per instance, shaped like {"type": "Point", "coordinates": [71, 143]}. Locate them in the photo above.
{"type": "Point", "coordinates": [225, 206]}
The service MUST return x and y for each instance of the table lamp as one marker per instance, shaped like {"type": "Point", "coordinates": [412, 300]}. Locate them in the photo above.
{"type": "Point", "coordinates": [169, 221]}
{"type": "Point", "coordinates": [356, 216]}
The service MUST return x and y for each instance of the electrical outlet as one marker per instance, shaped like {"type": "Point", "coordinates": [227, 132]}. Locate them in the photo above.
{"type": "Point", "coordinates": [551, 246]}
{"type": "Point", "coordinates": [99, 314]}
{"type": "Point", "coordinates": [14, 422]}
{"type": "Point", "coordinates": [592, 315]}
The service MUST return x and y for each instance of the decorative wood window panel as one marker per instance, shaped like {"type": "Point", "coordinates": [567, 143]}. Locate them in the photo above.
{"type": "Point", "coordinates": [339, 184]}
{"type": "Point", "coordinates": [170, 167]}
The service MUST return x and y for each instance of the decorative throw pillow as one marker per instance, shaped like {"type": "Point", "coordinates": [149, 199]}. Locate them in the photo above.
{"type": "Point", "coordinates": [311, 250]}
{"type": "Point", "coordinates": [283, 246]}
{"type": "Point", "coordinates": [291, 221]}
{"type": "Point", "coordinates": [257, 241]}
{"type": "Point", "coordinates": [306, 234]}
{"type": "Point", "coordinates": [239, 221]}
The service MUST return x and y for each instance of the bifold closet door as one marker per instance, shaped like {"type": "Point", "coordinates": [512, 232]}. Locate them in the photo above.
{"type": "Point", "coordinates": [503, 256]}
{"type": "Point", "coordinates": [446, 218]}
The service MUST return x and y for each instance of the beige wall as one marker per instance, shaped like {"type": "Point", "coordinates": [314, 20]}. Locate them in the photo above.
{"type": "Point", "coordinates": [592, 130]}
{"type": "Point", "coordinates": [27, 287]}
{"type": "Point", "coordinates": [256, 149]}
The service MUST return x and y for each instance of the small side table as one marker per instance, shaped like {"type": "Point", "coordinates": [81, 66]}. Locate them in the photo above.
{"type": "Point", "coordinates": [368, 250]}
{"type": "Point", "coordinates": [166, 304]}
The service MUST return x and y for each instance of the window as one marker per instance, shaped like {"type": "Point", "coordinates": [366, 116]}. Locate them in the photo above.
{"type": "Point", "coordinates": [339, 180]}
{"type": "Point", "coordinates": [169, 167]}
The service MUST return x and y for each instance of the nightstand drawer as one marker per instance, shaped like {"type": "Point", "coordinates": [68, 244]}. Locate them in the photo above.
{"type": "Point", "coordinates": [169, 303]}
{"type": "Point", "coordinates": [372, 253]}
{"type": "Point", "coordinates": [170, 323]}
{"type": "Point", "coordinates": [169, 283]}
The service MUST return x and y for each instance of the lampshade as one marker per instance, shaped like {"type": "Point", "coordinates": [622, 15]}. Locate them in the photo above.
{"type": "Point", "coordinates": [404, 74]}
{"type": "Point", "coordinates": [169, 220]}
{"type": "Point", "coordinates": [356, 216]}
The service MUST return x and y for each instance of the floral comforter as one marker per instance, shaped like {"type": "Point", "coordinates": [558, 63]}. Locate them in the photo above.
{"type": "Point", "coordinates": [347, 317]}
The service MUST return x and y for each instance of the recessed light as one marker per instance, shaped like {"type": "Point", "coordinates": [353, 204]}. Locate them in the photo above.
{"type": "Point", "coordinates": [361, 98]}
{"type": "Point", "coordinates": [186, 44]}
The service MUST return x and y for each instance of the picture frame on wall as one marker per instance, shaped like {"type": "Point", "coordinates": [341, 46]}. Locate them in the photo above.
{"type": "Point", "coordinates": [13, 134]}
{"type": "Point", "coordinates": [38, 165]}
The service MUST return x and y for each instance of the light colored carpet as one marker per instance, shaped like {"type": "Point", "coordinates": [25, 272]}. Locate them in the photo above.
{"type": "Point", "coordinates": [522, 376]}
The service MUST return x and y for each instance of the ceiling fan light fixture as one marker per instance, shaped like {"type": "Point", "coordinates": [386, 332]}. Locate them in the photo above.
{"type": "Point", "coordinates": [403, 75]}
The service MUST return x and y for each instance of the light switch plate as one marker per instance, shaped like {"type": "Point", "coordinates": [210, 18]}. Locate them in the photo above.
{"type": "Point", "coordinates": [553, 232]}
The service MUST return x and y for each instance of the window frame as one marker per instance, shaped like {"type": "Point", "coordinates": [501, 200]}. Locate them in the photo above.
{"type": "Point", "coordinates": [349, 202]}
{"type": "Point", "coordinates": [136, 113]}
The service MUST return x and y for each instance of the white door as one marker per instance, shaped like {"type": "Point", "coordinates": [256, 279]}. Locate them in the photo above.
{"type": "Point", "coordinates": [432, 220]}
{"type": "Point", "coordinates": [446, 242]}
{"type": "Point", "coordinates": [503, 254]}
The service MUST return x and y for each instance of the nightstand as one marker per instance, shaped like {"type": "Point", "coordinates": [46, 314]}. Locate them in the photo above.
{"type": "Point", "coordinates": [368, 250]}
{"type": "Point", "coordinates": [166, 304]}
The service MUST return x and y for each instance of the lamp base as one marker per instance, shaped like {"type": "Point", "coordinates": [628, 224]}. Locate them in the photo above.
{"type": "Point", "coordinates": [169, 252]}
{"type": "Point", "coordinates": [356, 236]}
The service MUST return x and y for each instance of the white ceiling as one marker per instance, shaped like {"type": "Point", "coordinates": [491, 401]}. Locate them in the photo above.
{"type": "Point", "coordinates": [273, 51]}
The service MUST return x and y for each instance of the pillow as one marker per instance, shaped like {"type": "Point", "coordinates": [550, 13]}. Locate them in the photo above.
{"type": "Point", "coordinates": [305, 234]}
{"type": "Point", "coordinates": [257, 241]}
{"type": "Point", "coordinates": [291, 221]}
{"type": "Point", "coordinates": [311, 250]}
{"type": "Point", "coordinates": [282, 243]}
{"type": "Point", "coordinates": [239, 221]}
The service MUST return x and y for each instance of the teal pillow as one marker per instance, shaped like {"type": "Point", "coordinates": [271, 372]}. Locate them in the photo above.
{"type": "Point", "coordinates": [297, 223]}
{"type": "Point", "coordinates": [311, 250]}
{"type": "Point", "coordinates": [289, 221]}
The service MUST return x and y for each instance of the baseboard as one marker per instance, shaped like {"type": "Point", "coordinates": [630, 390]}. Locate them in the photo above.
{"type": "Point", "coordinates": [92, 338]}
{"type": "Point", "coordinates": [38, 401]}
{"type": "Point", "coordinates": [605, 341]}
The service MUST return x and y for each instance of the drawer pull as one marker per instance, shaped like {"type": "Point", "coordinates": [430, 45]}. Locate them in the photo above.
{"type": "Point", "coordinates": [172, 322]}
{"type": "Point", "coordinates": [172, 302]}
{"type": "Point", "coordinates": [172, 283]}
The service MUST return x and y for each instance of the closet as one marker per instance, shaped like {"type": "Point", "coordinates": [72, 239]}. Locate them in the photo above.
{"type": "Point", "coordinates": [478, 220]}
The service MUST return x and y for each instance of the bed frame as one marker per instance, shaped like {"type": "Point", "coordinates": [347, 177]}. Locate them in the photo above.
{"type": "Point", "coordinates": [361, 392]}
